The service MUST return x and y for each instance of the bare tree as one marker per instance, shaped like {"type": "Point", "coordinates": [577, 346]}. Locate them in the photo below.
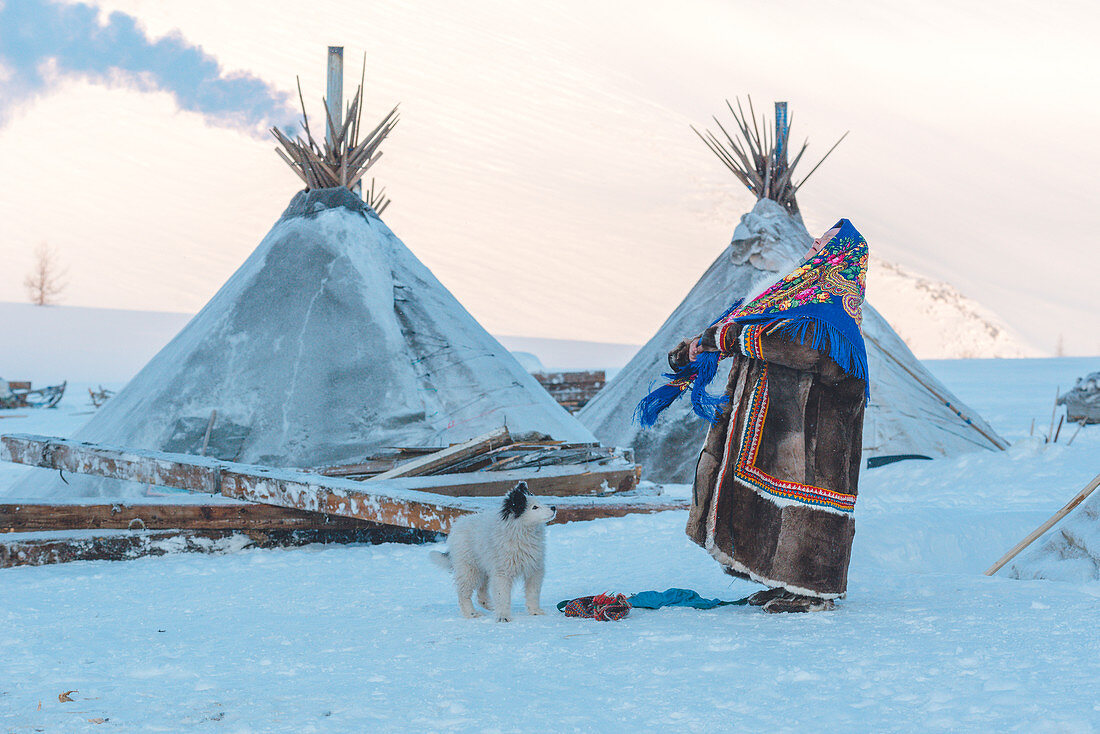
{"type": "Point", "coordinates": [44, 283]}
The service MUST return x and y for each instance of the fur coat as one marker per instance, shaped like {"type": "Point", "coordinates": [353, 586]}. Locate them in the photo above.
{"type": "Point", "coordinates": [776, 481]}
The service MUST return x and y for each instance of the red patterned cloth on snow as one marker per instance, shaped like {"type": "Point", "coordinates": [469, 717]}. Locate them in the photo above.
{"type": "Point", "coordinates": [602, 607]}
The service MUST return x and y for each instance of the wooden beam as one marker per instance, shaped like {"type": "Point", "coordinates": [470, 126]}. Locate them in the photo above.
{"type": "Point", "coordinates": [19, 550]}
{"type": "Point", "coordinates": [558, 481]}
{"type": "Point", "coordinates": [366, 468]}
{"type": "Point", "coordinates": [183, 471]}
{"type": "Point", "coordinates": [427, 503]}
{"type": "Point", "coordinates": [35, 517]}
{"type": "Point", "coordinates": [442, 459]}
{"type": "Point", "coordinates": [597, 509]}
{"type": "Point", "coordinates": [254, 518]}
{"type": "Point", "coordinates": [213, 534]}
{"type": "Point", "coordinates": [377, 502]}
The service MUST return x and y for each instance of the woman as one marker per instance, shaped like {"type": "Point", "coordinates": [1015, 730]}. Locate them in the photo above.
{"type": "Point", "coordinates": [775, 486]}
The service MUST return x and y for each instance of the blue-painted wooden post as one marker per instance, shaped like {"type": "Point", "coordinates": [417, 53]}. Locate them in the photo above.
{"type": "Point", "coordinates": [780, 132]}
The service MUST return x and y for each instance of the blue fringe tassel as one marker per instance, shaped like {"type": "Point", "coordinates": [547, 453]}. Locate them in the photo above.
{"type": "Point", "coordinates": [705, 405]}
{"type": "Point", "coordinates": [653, 404]}
{"type": "Point", "coordinates": [700, 373]}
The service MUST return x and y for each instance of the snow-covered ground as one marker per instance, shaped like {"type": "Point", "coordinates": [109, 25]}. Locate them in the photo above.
{"type": "Point", "coordinates": [368, 638]}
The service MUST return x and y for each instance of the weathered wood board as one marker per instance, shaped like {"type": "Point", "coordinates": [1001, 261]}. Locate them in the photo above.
{"type": "Point", "coordinates": [25, 517]}
{"type": "Point", "coordinates": [410, 502]}
{"type": "Point", "coordinates": [441, 459]}
{"type": "Point", "coordinates": [31, 549]}
{"type": "Point", "coordinates": [159, 468]}
{"type": "Point", "coordinates": [257, 518]}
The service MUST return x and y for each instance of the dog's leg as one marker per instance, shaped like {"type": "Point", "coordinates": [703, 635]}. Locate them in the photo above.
{"type": "Point", "coordinates": [532, 586]}
{"type": "Point", "coordinates": [465, 583]}
{"type": "Point", "coordinates": [501, 587]}
{"type": "Point", "coordinates": [483, 593]}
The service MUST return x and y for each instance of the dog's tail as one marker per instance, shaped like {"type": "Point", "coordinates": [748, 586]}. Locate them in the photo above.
{"type": "Point", "coordinates": [443, 560]}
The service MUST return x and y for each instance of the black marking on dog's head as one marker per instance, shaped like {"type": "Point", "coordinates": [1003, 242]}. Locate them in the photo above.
{"type": "Point", "coordinates": [515, 502]}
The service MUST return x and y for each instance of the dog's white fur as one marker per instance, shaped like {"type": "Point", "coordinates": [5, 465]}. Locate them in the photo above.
{"type": "Point", "coordinates": [487, 552]}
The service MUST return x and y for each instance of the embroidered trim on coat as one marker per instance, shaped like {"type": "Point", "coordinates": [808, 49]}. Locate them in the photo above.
{"type": "Point", "coordinates": [750, 475]}
{"type": "Point", "coordinates": [751, 341]}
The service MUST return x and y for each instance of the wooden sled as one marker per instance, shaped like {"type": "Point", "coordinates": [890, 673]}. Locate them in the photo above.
{"type": "Point", "coordinates": [22, 395]}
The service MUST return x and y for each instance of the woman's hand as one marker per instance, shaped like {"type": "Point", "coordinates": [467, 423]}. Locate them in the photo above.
{"type": "Point", "coordinates": [687, 351]}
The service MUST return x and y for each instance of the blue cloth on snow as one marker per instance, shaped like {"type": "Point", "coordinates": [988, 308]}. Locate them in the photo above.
{"type": "Point", "coordinates": [678, 598]}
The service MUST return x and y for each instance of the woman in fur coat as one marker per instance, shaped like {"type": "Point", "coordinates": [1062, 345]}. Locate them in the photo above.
{"type": "Point", "coordinates": [775, 486]}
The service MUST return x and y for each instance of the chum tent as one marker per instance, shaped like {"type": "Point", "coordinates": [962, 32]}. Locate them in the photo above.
{"type": "Point", "coordinates": [910, 413]}
{"type": "Point", "coordinates": [332, 342]}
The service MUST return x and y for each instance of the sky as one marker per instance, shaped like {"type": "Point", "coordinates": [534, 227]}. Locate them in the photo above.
{"type": "Point", "coordinates": [544, 167]}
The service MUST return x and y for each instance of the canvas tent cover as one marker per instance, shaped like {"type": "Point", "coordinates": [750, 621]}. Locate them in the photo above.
{"type": "Point", "coordinates": [910, 412]}
{"type": "Point", "coordinates": [330, 343]}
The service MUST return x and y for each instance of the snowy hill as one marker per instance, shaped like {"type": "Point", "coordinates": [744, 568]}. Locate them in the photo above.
{"type": "Point", "coordinates": [55, 343]}
{"type": "Point", "coordinates": [919, 308]}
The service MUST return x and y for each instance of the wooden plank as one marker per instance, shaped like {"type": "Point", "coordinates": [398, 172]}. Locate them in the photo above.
{"type": "Point", "coordinates": [451, 455]}
{"type": "Point", "coordinates": [382, 503]}
{"type": "Point", "coordinates": [38, 548]}
{"type": "Point", "coordinates": [427, 503]}
{"type": "Point", "coordinates": [597, 509]}
{"type": "Point", "coordinates": [183, 471]}
{"type": "Point", "coordinates": [252, 518]}
{"type": "Point", "coordinates": [202, 474]}
{"type": "Point", "coordinates": [347, 498]}
{"type": "Point", "coordinates": [362, 469]}
{"type": "Point", "coordinates": [24, 517]}
{"type": "Point", "coordinates": [558, 481]}
{"type": "Point", "coordinates": [21, 550]}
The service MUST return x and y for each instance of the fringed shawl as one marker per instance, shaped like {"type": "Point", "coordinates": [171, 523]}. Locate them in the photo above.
{"type": "Point", "coordinates": [826, 291]}
{"type": "Point", "coordinates": [695, 376]}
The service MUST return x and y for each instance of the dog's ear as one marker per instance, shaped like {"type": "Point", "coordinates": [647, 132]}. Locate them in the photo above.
{"type": "Point", "coordinates": [515, 502]}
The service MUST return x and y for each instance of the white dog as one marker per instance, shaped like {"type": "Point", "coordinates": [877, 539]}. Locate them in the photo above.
{"type": "Point", "coordinates": [490, 550]}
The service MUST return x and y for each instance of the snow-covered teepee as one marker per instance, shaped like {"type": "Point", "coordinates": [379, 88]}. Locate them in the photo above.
{"type": "Point", "coordinates": [910, 413]}
{"type": "Point", "coordinates": [332, 342]}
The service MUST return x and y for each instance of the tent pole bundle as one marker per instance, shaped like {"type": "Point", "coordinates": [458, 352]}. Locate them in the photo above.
{"type": "Point", "coordinates": [758, 157]}
{"type": "Point", "coordinates": [342, 158]}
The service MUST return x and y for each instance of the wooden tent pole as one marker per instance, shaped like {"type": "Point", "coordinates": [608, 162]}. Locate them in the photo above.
{"type": "Point", "coordinates": [781, 132]}
{"type": "Point", "coordinates": [335, 91]}
{"type": "Point", "coordinates": [1077, 499]}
